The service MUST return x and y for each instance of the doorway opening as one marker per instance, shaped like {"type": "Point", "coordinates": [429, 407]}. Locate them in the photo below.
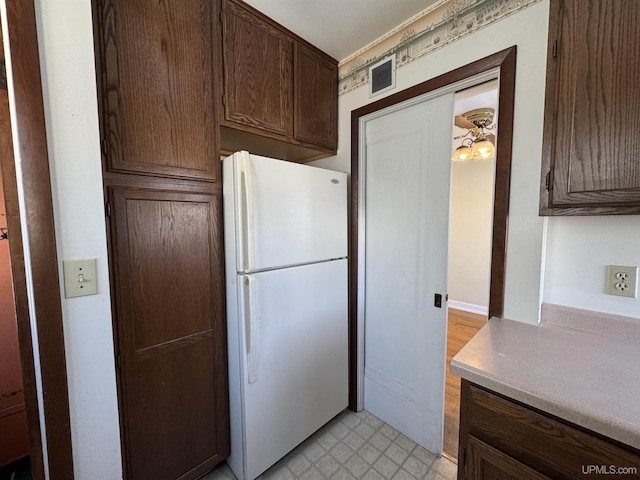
{"type": "Point", "coordinates": [15, 441]}
{"type": "Point", "coordinates": [432, 289]}
{"type": "Point", "coordinates": [15, 462]}
{"type": "Point", "coordinates": [32, 246]}
{"type": "Point", "coordinates": [470, 220]}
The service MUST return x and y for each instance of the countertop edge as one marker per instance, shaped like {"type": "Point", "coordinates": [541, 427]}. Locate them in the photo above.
{"type": "Point", "coordinates": [535, 393]}
{"type": "Point", "coordinates": [584, 419]}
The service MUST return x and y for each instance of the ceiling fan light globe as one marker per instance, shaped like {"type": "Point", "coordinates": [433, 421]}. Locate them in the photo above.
{"type": "Point", "coordinates": [483, 150]}
{"type": "Point", "coordinates": [461, 154]}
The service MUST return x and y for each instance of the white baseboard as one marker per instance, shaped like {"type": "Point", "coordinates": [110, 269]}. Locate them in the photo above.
{"type": "Point", "coordinates": [468, 307]}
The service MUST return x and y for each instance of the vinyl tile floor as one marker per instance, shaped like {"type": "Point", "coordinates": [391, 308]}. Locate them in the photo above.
{"type": "Point", "coordinates": [354, 446]}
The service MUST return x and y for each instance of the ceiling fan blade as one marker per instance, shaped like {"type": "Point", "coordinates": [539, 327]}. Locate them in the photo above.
{"type": "Point", "coordinates": [491, 137]}
{"type": "Point", "coordinates": [462, 122]}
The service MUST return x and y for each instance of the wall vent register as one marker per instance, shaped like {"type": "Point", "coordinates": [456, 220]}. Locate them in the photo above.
{"type": "Point", "coordinates": [382, 76]}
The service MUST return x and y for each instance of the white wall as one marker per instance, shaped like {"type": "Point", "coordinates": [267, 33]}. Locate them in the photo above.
{"type": "Point", "coordinates": [578, 251]}
{"type": "Point", "coordinates": [528, 30]}
{"type": "Point", "coordinates": [471, 219]}
{"type": "Point", "coordinates": [67, 62]}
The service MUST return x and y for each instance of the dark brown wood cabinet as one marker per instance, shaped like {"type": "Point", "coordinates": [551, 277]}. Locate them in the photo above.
{"type": "Point", "coordinates": [487, 463]}
{"type": "Point", "coordinates": [501, 439]}
{"type": "Point", "coordinates": [159, 116]}
{"type": "Point", "coordinates": [280, 93]}
{"type": "Point", "coordinates": [316, 93]}
{"type": "Point", "coordinates": [592, 112]}
{"type": "Point", "coordinates": [168, 285]}
{"type": "Point", "coordinates": [257, 59]}
{"type": "Point", "coordinates": [159, 127]}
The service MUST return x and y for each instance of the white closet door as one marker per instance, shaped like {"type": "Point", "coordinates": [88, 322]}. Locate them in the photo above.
{"type": "Point", "coordinates": [406, 216]}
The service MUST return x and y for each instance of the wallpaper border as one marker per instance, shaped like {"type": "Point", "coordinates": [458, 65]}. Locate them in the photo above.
{"type": "Point", "coordinates": [438, 27]}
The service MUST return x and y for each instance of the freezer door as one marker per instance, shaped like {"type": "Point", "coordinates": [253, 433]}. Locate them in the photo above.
{"type": "Point", "coordinates": [286, 213]}
{"type": "Point", "coordinates": [295, 357]}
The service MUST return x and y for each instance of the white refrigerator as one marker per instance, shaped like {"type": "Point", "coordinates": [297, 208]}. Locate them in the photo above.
{"type": "Point", "coordinates": [286, 283]}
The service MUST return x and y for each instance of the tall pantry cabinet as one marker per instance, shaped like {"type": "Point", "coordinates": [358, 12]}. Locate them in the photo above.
{"type": "Point", "coordinates": [155, 72]}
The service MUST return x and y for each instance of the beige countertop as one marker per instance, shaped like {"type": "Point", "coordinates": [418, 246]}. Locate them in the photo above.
{"type": "Point", "coordinates": [577, 365]}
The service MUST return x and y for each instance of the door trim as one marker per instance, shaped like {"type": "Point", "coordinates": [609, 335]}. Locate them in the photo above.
{"type": "Point", "coordinates": [504, 63]}
{"type": "Point", "coordinates": [51, 441]}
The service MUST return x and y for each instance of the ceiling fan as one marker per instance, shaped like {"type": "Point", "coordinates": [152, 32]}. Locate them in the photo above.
{"type": "Point", "coordinates": [478, 142]}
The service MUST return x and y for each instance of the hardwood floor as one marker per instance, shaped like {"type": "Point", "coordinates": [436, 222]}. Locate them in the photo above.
{"type": "Point", "coordinates": [462, 326]}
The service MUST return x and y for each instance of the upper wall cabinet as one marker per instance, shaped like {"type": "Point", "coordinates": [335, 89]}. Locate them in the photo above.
{"type": "Point", "coordinates": [592, 110]}
{"type": "Point", "coordinates": [257, 60]}
{"type": "Point", "coordinates": [316, 90]}
{"type": "Point", "coordinates": [156, 73]}
{"type": "Point", "coordinates": [279, 92]}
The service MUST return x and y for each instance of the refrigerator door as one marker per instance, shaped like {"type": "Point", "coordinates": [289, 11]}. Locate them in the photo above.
{"type": "Point", "coordinates": [286, 213]}
{"type": "Point", "coordinates": [295, 357]}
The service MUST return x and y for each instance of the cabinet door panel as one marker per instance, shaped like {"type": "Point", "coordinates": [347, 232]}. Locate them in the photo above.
{"type": "Point", "coordinates": [157, 66]}
{"type": "Point", "coordinates": [316, 91]}
{"type": "Point", "coordinates": [592, 118]}
{"type": "Point", "coordinates": [257, 71]}
{"type": "Point", "coordinates": [488, 463]}
{"type": "Point", "coordinates": [171, 331]}
{"type": "Point", "coordinates": [513, 438]}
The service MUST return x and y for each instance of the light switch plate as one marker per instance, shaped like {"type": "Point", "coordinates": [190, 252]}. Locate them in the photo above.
{"type": "Point", "coordinates": [80, 277]}
{"type": "Point", "coordinates": [622, 281]}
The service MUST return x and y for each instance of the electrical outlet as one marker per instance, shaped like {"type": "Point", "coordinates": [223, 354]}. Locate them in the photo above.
{"type": "Point", "coordinates": [622, 281]}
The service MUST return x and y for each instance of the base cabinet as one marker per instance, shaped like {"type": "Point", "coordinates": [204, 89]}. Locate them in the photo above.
{"type": "Point", "coordinates": [486, 462]}
{"type": "Point", "coordinates": [501, 439]}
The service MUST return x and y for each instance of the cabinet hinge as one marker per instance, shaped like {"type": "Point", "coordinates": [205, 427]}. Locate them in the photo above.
{"type": "Point", "coordinates": [105, 147]}
{"type": "Point", "coordinates": [547, 181]}
{"type": "Point", "coordinates": [464, 457]}
{"type": "Point", "coordinates": [224, 100]}
{"type": "Point", "coordinates": [3, 75]}
{"type": "Point", "coordinates": [555, 49]}
{"type": "Point", "coordinates": [107, 209]}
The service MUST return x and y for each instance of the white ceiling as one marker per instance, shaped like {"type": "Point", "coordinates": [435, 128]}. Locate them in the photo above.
{"type": "Point", "coordinates": [480, 96]}
{"type": "Point", "coordinates": [340, 27]}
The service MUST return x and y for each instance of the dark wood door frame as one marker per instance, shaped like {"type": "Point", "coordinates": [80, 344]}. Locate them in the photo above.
{"type": "Point", "coordinates": [505, 62]}
{"type": "Point", "coordinates": [41, 245]}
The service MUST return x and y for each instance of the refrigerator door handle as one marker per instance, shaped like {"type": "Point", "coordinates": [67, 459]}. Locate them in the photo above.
{"type": "Point", "coordinates": [247, 216]}
{"type": "Point", "coordinates": [251, 328]}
